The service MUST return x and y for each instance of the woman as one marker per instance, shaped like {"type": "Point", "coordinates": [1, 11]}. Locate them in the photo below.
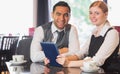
{"type": "Point", "coordinates": [102, 45]}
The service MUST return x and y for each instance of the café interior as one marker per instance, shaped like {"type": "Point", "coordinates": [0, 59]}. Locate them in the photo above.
{"type": "Point", "coordinates": [19, 44]}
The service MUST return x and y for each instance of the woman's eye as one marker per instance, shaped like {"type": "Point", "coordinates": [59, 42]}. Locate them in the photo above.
{"type": "Point", "coordinates": [97, 13]}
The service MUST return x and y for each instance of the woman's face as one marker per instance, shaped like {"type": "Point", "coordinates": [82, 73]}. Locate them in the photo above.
{"type": "Point", "coordinates": [97, 16]}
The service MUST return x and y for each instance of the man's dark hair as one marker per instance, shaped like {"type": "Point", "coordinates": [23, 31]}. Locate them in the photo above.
{"type": "Point", "coordinates": [62, 3]}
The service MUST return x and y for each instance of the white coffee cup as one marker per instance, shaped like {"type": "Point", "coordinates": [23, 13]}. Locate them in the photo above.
{"type": "Point", "coordinates": [91, 65]}
{"type": "Point", "coordinates": [18, 68]}
{"type": "Point", "coordinates": [18, 58]}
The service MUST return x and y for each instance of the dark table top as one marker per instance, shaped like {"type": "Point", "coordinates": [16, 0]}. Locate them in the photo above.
{"type": "Point", "coordinates": [39, 68]}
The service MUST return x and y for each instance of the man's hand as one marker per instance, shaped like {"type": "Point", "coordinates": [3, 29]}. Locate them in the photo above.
{"type": "Point", "coordinates": [46, 61]}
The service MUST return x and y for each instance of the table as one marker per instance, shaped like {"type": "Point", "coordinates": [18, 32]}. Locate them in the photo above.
{"type": "Point", "coordinates": [39, 68]}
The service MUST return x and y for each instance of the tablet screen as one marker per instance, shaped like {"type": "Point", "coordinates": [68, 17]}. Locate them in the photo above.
{"type": "Point", "coordinates": [51, 52]}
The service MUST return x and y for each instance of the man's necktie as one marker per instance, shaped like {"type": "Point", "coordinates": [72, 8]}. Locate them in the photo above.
{"type": "Point", "coordinates": [60, 36]}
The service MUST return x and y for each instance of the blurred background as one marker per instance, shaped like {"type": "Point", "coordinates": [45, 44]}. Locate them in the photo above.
{"type": "Point", "coordinates": [17, 17]}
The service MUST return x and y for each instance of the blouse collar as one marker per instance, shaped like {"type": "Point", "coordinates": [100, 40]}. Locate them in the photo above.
{"type": "Point", "coordinates": [104, 29]}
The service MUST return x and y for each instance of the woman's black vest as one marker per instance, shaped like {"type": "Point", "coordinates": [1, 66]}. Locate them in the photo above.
{"type": "Point", "coordinates": [96, 43]}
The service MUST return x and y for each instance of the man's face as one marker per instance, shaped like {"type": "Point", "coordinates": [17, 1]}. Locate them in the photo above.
{"type": "Point", "coordinates": [61, 16]}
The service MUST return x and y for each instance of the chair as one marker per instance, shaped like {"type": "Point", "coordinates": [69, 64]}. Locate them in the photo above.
{"type": "Point", "coordinates": [24, 48]}
{"type": "Point", "coordinates": [8, 47]}
{"type": "Point", "coordinates": [118, 29]}
{"type": "Point", "coordinates": [26, 37]}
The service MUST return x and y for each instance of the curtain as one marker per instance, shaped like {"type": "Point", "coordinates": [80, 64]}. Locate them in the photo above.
{"type": "Point", "coordinates": [105, 1]}
{"type": "Point", "coordinates": [42, 12]}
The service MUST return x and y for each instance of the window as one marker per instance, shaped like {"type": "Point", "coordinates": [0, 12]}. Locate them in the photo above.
{"type": "Point", "coordinates": [16, 16]}
{"type": "Point", "coordinates": [114, 13]}
{"type": "Point", "coordinates": [79, 16]}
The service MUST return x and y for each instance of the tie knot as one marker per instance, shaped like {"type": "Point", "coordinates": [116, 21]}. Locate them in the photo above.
{"type": "Point", "coordinates": [60, 35]}
{"type": "Point", "coordinates": [59, 32]}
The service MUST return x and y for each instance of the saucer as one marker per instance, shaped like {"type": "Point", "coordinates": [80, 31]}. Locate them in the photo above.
{"type": "Point", "coordinates": [89, 70]}
{"type": "Point", "coordinates": [17, 63]}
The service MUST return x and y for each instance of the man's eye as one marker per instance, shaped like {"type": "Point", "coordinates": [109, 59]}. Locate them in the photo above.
{"type": "Point", "coordinates": [66, 15]}
{"type": "Point", "coordinates": [58, 14]}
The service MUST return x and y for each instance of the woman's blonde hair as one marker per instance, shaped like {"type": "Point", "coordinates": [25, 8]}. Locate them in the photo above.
{"type": "Point", "coordinates": [101, 5]}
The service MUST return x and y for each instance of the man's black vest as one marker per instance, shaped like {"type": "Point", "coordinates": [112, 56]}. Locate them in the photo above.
{"type": "Point", "coordinates": [48, 35]}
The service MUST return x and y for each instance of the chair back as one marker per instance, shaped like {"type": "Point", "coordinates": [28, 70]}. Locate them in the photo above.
{"type": "Point", "coordinates": [24, 48]}
{"type": "Point", "coordinates": [8, 47]}
{"type": "Point", "coordinates": [26, 37]}
{"type": "Point", "coordinates": [118, 29]}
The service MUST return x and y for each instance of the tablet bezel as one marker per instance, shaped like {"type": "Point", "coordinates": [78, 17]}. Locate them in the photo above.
{"type": "Point", "coordinates": [51, 52]}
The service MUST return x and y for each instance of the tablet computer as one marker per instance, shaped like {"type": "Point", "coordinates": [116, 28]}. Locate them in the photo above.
{"type": "Point", "coordinates": [51, 52]}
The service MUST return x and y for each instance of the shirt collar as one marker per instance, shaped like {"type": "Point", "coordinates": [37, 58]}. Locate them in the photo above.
{"type": "Point", "coordinates": [104, 29]}
{"type": "Point", "coordinates": [54, 28]}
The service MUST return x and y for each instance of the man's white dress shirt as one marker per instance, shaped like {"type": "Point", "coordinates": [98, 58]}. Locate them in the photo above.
{"type": "Point", "coordinates": [35, 51]}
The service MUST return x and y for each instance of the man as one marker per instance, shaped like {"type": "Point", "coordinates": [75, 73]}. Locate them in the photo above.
{"type": "Point", "coordinates": [69, 42]}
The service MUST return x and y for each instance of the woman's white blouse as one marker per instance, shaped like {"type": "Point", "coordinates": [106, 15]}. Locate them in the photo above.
{"type": "Point", "coordinates": [108, 46]}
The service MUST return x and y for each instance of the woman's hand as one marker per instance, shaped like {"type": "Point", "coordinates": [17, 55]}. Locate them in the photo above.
{"type": "Point", "coordinates": [46, 70]}
{"type": "Point", "coordinates": [46, 61]}
{"type": "Point", "coordinates": [60, 59]}
{"type": "Point", "coordinates": [63, 50]}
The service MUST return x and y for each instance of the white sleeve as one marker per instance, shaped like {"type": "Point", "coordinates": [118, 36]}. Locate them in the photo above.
{"type": "Point", "coordinates": [107, 48]}
{"type": "Point", "coordinates": [74, 44]}
{"type": "Point", "coordinates": [84, 49]}
{"type": "Point", "coordinates": [36, 53]}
